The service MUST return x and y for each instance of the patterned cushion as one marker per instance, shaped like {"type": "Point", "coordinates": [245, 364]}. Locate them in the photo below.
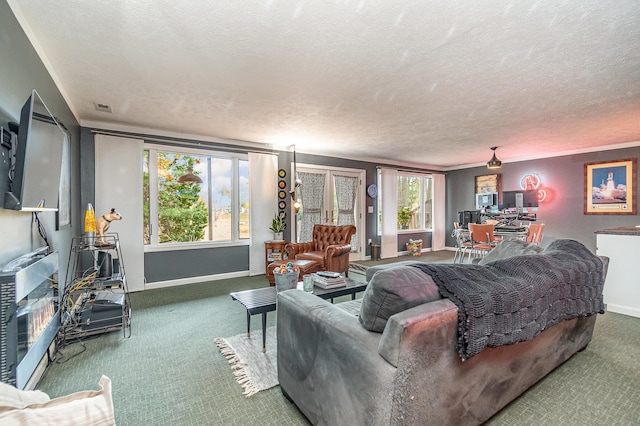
{"type": "Point", "coordinates": [394, 290]}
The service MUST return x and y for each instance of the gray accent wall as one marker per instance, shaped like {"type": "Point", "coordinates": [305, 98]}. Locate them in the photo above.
{"type": "Point", "coordinates": [180, 264]}
{"type": "Point", "coordinates": [22, 71]}
{"type": "Point", "coordinates": [563, 179]}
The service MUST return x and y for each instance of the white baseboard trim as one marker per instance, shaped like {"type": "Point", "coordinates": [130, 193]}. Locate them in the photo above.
{"type": "Point", "coordinates": [194, 280]}
{"type": "Point", "coordinates": [624, 310]}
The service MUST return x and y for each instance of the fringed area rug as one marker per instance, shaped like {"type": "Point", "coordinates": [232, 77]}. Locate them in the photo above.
{"type": "Point", "coordinates": [254, 370]}
{"type": "Point", "coordinates": [358, 272]}
{"type": "Point", "coordinates": [356, 267]}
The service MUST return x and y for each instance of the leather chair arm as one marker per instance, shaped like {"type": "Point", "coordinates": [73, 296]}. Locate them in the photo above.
{"type": "Point", "coordinates": [292, 249]}
{"type": "Point", "coordinates": [336, 258]}
{"type": "Point", "coordinates": [335, 251]}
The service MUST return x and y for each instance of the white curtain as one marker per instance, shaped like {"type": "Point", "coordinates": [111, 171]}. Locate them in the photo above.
{"type": "Point", "coordinates": [389, 194]}
{"type": "Point", "coordinates": [263, 173]}
{"type": "Point", "coordinates": [118, 184]}
{"type": "Point", "coordinates": [438, 236]}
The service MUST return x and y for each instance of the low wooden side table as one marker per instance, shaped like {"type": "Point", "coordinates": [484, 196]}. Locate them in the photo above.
{"type": "Point", "coordinates": [274, 251]}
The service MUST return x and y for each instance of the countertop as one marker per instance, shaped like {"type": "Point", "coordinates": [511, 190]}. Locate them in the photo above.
{"type": "Point", "coordinates": [625, 230]}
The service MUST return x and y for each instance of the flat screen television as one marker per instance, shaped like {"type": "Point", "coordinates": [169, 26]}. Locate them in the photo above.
{"type": "Point", "coordinates": [519, 199]}
{"type": "Point", "coordinates": [35, 173]}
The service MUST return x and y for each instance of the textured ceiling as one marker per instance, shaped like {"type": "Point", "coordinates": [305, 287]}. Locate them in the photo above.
{"type": "Point", "coordinates": [409, 82]}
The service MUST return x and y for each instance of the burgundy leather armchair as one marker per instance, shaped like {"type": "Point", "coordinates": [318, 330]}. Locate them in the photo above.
{"type": "Point", "coordinates": [330, 247]}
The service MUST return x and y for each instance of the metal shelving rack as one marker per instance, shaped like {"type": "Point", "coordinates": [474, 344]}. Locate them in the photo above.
{"type": "Point", "coordinates": [96, 298]}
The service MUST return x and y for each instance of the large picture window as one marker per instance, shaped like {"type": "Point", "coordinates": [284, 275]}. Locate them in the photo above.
{"type": "Point", "coordinates": [415, 202]}
{"type": "Point", "coordinates": [211, 206]}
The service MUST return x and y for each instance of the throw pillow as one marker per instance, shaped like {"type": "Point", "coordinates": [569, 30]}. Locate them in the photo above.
{"type": "Point", "coordinates": [86, 408]}
{"type": "Point", "coordinates": [394, 290]}
{"type": "Point", "coordinates": [11, 397]}
{"type": "Point", "coordinates": [510, 248]}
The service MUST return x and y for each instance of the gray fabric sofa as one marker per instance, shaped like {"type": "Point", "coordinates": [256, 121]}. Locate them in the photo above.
{"type": "Point", "coordinates": [338, 372]}
{"type": "Point", "coordinates": [373, 269]}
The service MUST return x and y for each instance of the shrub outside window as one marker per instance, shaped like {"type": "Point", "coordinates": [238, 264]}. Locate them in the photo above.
{"type": "Point", "coordinates": [415, 196]}
{"type": "Point", "coordinates": [175, 212]}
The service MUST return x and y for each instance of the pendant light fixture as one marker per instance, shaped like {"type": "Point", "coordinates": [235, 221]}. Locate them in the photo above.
{"type": "Point", "coordinates": [494, 163]}
{"type": "Point", "coordinates": [189, 177]}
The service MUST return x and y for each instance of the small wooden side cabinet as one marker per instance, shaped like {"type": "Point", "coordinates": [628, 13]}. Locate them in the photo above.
{"type": "Point", "coordinates": [274, 250]}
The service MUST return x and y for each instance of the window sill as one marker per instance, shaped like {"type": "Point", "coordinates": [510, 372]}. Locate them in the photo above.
{"type": "Point", "coordinates": [413, 231]}
{"type": "Point", "coordinates": [194, 246]}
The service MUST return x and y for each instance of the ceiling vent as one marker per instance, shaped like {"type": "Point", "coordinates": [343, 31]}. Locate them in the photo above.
{"type": "Point", "coordinates": [102, 107]}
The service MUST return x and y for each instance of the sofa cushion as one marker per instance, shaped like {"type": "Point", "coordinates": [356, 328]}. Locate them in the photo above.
{"type": "Point", "coordinates": [352, 307]}
{"type": "Point", "coordinates": [510, 248]}
{"type": "Point", "coordinates": [371, 271]}
{"type": "Point", "coordinates": [394, 290]}
{"type": "Point", "coordinates": [314, 256]}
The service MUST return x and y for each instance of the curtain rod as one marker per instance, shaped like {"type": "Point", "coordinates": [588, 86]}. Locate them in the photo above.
{"type": "Point", "coordinates": [412, 169]}
{"type": "Point", "coordinates": [191, 143]}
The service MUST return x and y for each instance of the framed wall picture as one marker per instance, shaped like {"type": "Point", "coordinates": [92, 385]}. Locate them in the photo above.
{"type": "Point", "coordinates": [610, 187]}
{"type": "Point", "coordinates": [488, 183]}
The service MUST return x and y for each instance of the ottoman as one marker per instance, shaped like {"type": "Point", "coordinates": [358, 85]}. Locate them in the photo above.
{"type": "Point", "coordinates": [305, 267]}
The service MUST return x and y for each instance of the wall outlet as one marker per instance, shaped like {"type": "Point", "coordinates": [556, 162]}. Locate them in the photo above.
{"type": "Point", "coordinates": [369, 241]}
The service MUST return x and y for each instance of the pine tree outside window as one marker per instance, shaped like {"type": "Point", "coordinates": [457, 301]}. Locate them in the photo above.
{"type": "Point", "coordinates": [216, 210]}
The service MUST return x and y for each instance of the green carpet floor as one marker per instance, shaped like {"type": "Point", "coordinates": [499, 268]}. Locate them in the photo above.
{"type": "Point", "coordinates": [170, 372]}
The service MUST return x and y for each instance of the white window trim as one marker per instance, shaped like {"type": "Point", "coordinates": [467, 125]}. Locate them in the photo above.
{"type": "Point", "coordinates": [422, 176]}
{"type": "Point", "coordinates": [154, 246]}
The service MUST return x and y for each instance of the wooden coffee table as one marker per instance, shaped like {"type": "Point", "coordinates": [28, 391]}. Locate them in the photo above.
{"type": "Point", "coordinates": [263, 300]}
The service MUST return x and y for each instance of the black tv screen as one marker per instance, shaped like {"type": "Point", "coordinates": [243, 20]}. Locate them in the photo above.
{"type": "Point", "coordinates": [519, 199]}
{"type": "Point", "coordinates": [35, 175]}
